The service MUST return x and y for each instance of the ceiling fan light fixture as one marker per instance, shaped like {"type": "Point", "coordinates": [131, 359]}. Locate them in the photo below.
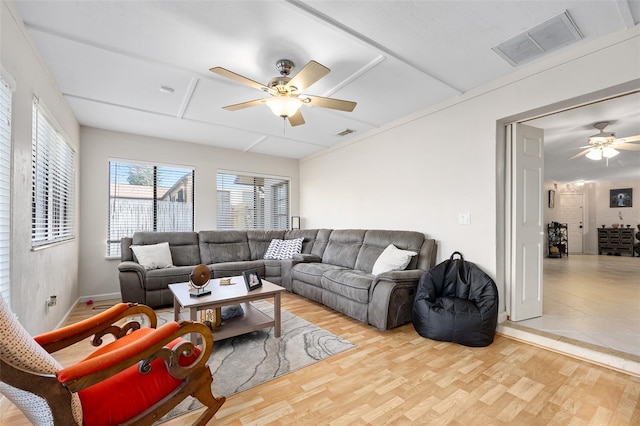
{"type": "Point", "coordinates": [283, 106]}
{"type": "Point", "coordinates": [594, 154]}
{"type": "Point", "coordinates": [608, 152]}
{"type": "Point", "coordinates": [602, 138]}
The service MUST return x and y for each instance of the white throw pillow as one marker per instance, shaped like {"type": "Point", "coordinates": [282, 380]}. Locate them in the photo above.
{"type": "Point", "coordinates": [392, 259]}
{"type": "Point", "coordinates": [153, 256]}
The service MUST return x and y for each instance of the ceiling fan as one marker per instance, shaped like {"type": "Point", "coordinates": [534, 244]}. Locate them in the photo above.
{"type": "Point", "coordinates": [606, 145]}
{"type": "Point", "coordinates": [286, 92]}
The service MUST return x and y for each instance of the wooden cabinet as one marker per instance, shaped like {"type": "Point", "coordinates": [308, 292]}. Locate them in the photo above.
{"type": "Point", "coordinates": [615, 241]}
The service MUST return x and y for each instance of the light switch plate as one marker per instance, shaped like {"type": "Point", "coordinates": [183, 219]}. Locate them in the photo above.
{"type": "Point", "coordinates": [464, 218]}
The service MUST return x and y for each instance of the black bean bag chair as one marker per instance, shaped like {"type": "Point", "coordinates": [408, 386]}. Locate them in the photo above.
{"type": "Point", "coordinates": [456, 302]}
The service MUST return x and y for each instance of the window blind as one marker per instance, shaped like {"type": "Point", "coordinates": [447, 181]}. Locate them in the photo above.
{"type": "Point", "coordinates": [252, 202]}
{"type": "Point", "coordinates": [5, 188]}
{"type": "Point", "coordinates": [146, 197]}
{"type": "Point", "coordinates": [53, 187]}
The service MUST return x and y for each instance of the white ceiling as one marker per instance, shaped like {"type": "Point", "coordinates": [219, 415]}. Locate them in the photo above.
{"type": "Point", "coordinates": [566, 134]}
{"type": "Point", "coordinates": [393, 58]}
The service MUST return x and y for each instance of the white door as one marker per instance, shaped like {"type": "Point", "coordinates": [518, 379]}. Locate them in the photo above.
{"type": "Point", "coordinates": [571, 214]}
{"type": "Point", "coordinates": [526, 221]}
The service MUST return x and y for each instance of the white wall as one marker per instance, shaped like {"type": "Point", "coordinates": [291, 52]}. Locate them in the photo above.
{"type": "Point", "coordinates": [98, 275]}
{"type": "Point", "coordinates": [421, 172]}
{"type": "Point", "coordinates": [35, 275]}
{"type": "Point", "coordinates": [606, 215]}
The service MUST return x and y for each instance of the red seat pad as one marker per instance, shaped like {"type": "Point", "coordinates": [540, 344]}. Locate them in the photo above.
{"type": "Point", "coordinates": [129, 393]}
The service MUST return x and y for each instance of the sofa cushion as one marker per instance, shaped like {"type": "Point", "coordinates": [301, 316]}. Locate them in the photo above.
{"type": "Point", "coordinates": [259, 240]}
{"type": "Point", "coordinates": [311, 273]}
{"type": "Point", "coordinates": [353, 285]}
{"type": "Point", "coordinates": [224, 246]}
{"type": "Point", "coordinates": [153, 256]}
{"type": "Point", "coordinates": [308, 238]}
{"type": "Point", "coordinates": [158, 279]}
{"type": "Point", "coordinates": [233, 269]}
{"type": "Point", "coordinates": [343, 247]}
{"type": "Point", "coordinates": [183, 245]}
{"type": "Point", "coordinates": [392, 259]}
{"type": "Point", "coordinates": [376, 240]}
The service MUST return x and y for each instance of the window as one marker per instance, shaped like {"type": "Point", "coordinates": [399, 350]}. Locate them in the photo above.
{"type": "Point", "coordinates": [252, 202]}
{"type": "Point", "coordinates": [53, 187]}
{"type": "Point", "coordinates": [145, 197]}
{"type": "Point", "coordinates": [5, 187]}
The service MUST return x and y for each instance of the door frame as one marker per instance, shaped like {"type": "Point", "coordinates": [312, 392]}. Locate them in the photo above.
{"type": "Point", "coordinates": [504, 175]}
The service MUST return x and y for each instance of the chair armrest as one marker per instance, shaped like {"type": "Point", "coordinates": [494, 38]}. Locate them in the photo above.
{"type": "Point", "coordinates": [98, 325]}
{"type": "Point", "coordinates": [142, 351]}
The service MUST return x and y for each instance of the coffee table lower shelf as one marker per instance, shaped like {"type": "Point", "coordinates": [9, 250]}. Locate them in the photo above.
{"type": "Point", "coordinates": [252, 320]}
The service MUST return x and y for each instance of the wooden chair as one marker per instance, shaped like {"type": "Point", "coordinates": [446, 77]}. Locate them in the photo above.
{"type": "Point", "coordinates": [135, 379]}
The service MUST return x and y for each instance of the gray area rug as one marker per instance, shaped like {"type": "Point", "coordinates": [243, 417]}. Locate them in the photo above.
{"type": "Point", "coordinates": [242, 362]}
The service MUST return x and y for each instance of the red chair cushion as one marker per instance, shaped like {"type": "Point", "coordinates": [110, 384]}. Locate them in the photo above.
{"type": "Point", "coordinates": [129, 393]}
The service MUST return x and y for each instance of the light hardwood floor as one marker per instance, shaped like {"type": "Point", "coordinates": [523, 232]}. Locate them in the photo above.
{"type": "Point", "coordinates": [398, 377]}
{"type": "Point", "coordinates": [592, 299]}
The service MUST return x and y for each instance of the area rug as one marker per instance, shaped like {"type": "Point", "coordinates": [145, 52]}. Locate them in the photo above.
{"type": "Point", "coordinates": [242, 362]}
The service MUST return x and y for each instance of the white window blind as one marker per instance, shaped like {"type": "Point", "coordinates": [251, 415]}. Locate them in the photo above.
{"type": "Point", "coordinates": [145, 197]}
{"type": "Point", "coordinates": [53, 188]}
{"type": "Point", "coordinates": [5, 188]}
{"type": "Point", "coordinates": [252, 202]}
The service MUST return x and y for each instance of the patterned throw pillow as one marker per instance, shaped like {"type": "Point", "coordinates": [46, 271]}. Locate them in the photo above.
{"type": "Point", "coordinates": [283, 249]}
{"type": "Point", "coordinates": [273, 250]}
{"type": "Point", "coordinates": [290, 247]}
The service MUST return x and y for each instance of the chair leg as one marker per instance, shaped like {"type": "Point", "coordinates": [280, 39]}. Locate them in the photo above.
{"type": "Point", "coordinates": [203, 394]}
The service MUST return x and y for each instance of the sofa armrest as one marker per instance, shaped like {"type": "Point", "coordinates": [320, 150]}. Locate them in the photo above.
{"type": "Point", "coordinates": [411, 275]}
{"type": "Point", "coordinates": [133, 282]}
{"type": "Point", "coordinates": [391, 297]}
{"type": "Point", "coordinates": [131, 266]}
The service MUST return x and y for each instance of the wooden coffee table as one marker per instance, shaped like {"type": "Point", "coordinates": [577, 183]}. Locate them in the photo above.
{"type": "Point", "coordinates": [234, 294]}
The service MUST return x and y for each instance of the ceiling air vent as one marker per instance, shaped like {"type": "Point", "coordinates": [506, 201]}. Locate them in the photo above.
{"type": "Point", "coordinates": [550, 35]}
{"type": "Point", "coordinates": [345, 132]}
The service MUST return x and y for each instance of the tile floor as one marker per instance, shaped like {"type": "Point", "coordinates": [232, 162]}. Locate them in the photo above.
{"type": "Point", "coordinates": [592, 299]}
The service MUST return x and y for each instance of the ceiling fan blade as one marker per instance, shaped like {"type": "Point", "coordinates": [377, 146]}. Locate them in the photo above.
{"type": "Point", "coordinates": [580, 154]}
{"type": "Point", "coordinates": [339, 104]}
{"type": "Point", "coordinates": [238, 78]}
{"type": "Point", "coordinates": [635, 138]}
{"type": "Point", "coordinates": [296, 119]}
{"type": "Point", "coordinates": [242, 105]}
{"type": "Point", "coordinates": [308, 75]}
{"type": "Point", "coordinates": [627, 146]}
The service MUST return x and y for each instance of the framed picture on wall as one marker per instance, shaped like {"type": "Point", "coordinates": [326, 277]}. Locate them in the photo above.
{"type": "Point", "coordinates": [552, 198]}
{"type": "Point", "coordinates": [621, 198]}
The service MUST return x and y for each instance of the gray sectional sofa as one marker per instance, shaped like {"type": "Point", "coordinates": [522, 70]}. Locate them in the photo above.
{"type": "Point", "coordinates": [334, 267]}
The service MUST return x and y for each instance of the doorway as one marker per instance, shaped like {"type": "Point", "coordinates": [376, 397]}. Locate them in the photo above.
{"type": "Point", "coordinates": [574, 203]}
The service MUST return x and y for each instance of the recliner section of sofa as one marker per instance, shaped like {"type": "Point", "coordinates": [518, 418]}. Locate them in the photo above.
{"type": "Point", "coordinates": [334, 267]}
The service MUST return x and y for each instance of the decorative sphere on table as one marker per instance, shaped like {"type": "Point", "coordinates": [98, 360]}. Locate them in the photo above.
{"type": "Point", "coordinates": [199, 279]}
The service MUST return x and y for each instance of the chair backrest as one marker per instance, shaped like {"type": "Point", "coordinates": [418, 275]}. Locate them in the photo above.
{"type": "Point", "coordinates": [19, 349]}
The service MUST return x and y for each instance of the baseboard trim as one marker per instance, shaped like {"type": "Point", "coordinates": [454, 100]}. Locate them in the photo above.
{"type": "Point", "coordinates": [98, 297]}
{"type": "Point", "coordinates": [85, 299]}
